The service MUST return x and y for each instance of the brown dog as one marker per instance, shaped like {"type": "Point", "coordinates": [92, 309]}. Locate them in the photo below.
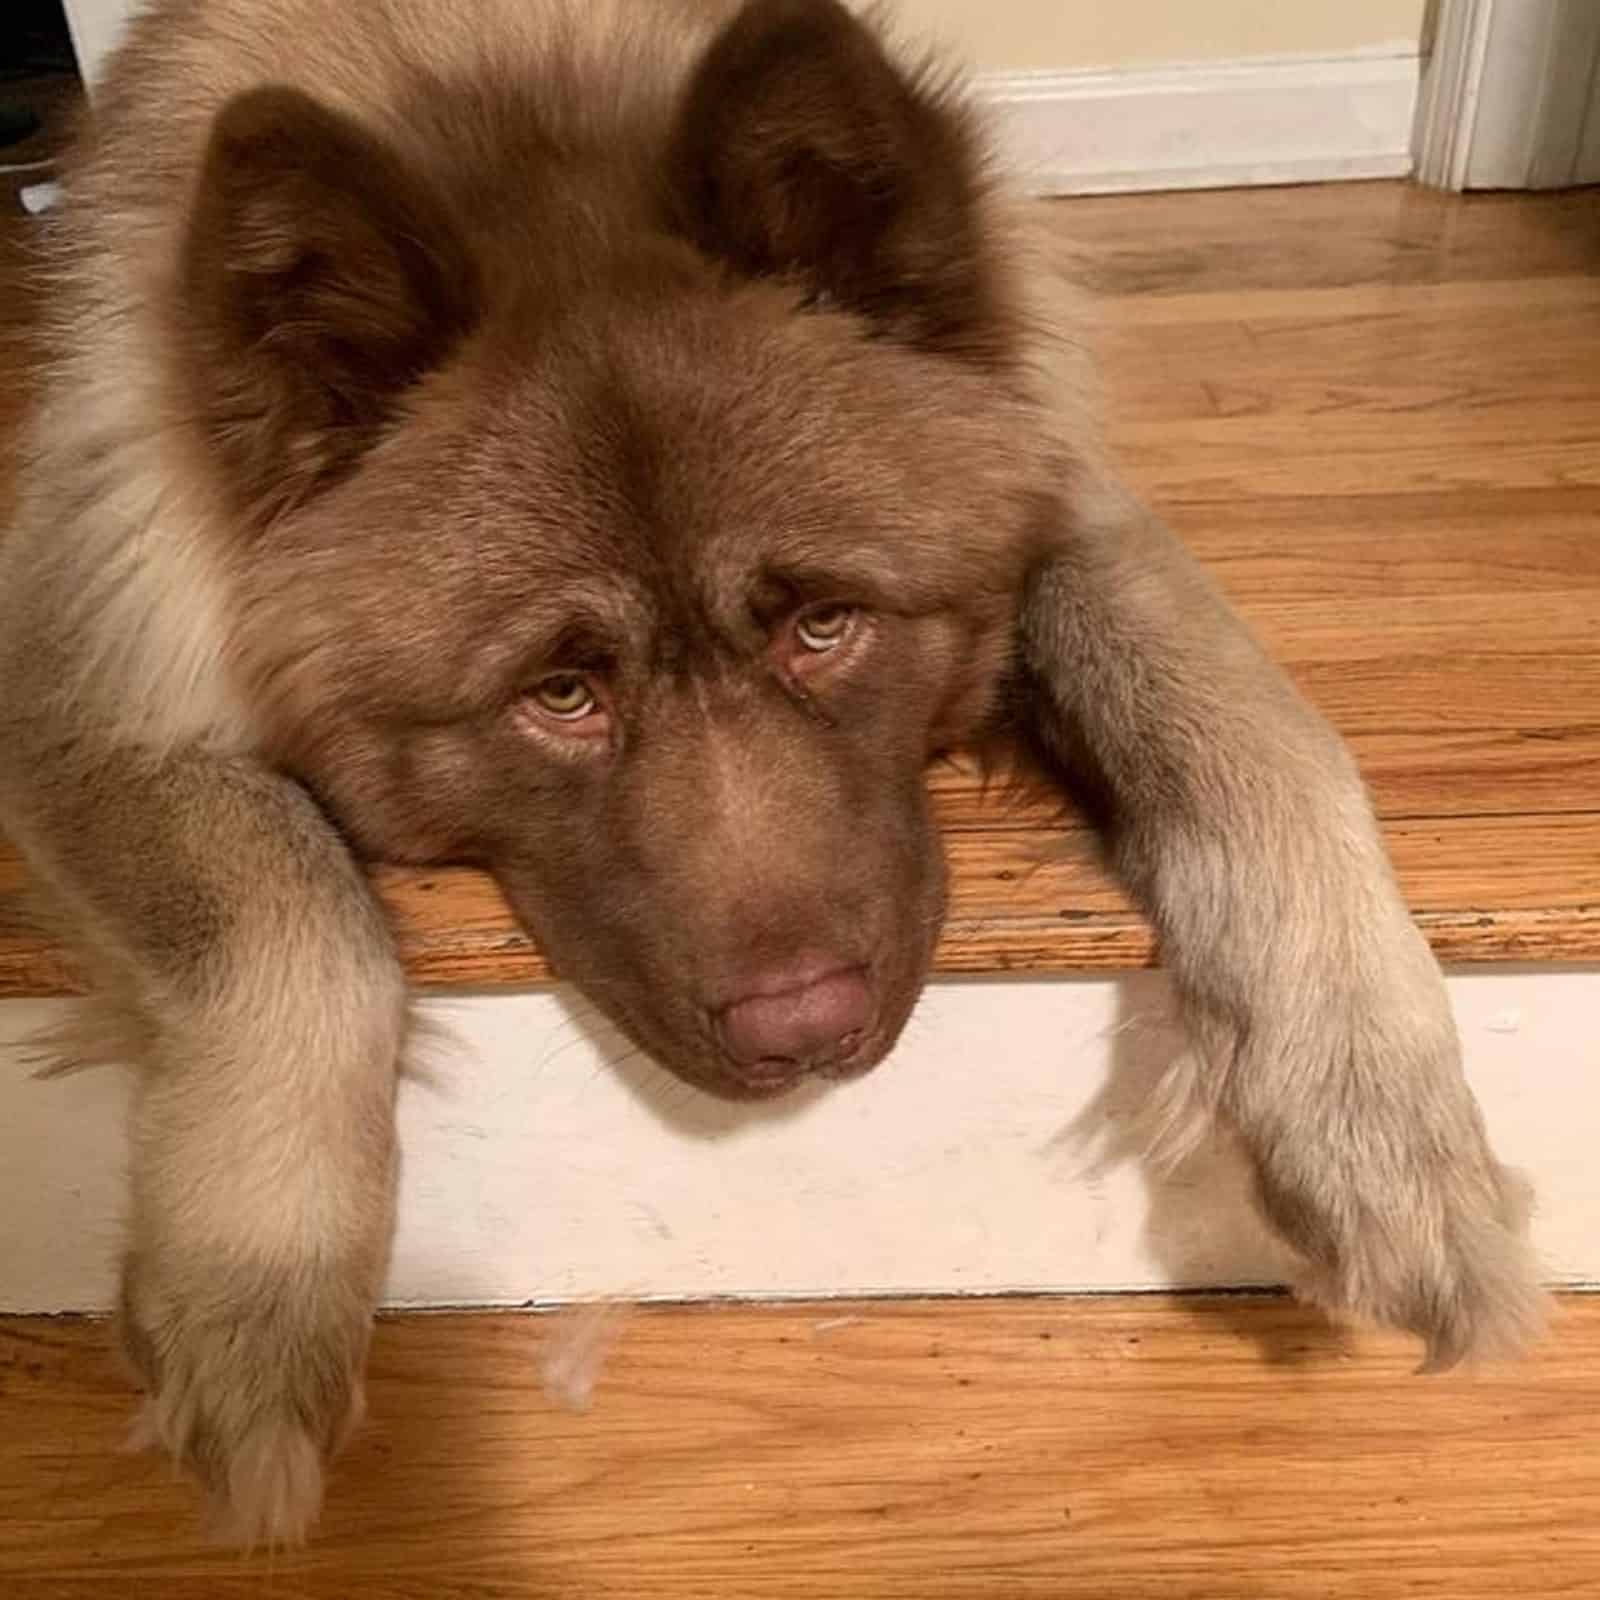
{"type": "Point", "coordinates": [617, 443]}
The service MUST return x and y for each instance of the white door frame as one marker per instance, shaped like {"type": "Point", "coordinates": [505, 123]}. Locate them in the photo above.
{"type": "Point", "coordinates": [1510, 95]}
{"type": "Point", "coordinates": [96, 25]}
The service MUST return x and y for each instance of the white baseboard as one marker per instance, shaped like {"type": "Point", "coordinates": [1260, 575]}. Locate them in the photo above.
{"type": "Point", "coordinates": [1210, 125]}
{"type": "Point", "coordinates": [1220, 124]}
{"type": "Point", "coordinates": [995, 1152]}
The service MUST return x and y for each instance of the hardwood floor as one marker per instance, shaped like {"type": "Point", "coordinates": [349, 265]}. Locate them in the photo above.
{"type": "Point", "coordinates": [1374, 412]}
{"type": "Point", "coordinates": [1186, 1449]}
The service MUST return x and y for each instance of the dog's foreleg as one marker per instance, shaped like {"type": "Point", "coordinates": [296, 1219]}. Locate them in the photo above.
{"type": "Point", "coordinates": [246, 972]}
{"type": "Point", "coordinates": [1321, 1028]}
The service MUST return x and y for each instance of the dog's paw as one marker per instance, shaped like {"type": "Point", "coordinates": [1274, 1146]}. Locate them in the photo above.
{"type": "Point", "coordinates": [1370, 1158]}
{"type": "Point", "coordinates": [1434, 1256]}
{"type": "Point", "coordinates": [249, 1387]}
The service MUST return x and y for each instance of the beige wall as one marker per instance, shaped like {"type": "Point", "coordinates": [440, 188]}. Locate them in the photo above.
{"type": "Point", "coordinates": [1011, 35]}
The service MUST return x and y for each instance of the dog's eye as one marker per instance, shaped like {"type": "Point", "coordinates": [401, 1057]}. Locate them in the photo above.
{"type": "Point", "coordinates": [566, 696]}
{"type": "Point", "coordinates": [824, 627]}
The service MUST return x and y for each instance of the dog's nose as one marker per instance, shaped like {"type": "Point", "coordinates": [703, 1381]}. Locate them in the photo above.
{"type": "Point", "coordinates": [796, 1015]}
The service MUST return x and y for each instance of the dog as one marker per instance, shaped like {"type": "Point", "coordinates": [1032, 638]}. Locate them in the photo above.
{"type": "Point", "coordinates": [618, 443]}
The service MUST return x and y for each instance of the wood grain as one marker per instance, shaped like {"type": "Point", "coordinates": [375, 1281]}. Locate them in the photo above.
{"type": "Point", "coordinates": [1023, 901]}
{"type": "Point", "coordinates": [1373, 413]}
{"type": "Point", "coordinates": [1111, 1449]}
{"type": "Point", "coordinates": [1346, 235]}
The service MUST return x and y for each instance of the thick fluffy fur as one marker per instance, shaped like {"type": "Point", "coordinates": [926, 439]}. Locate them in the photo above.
{"type": "Point", "coordinates": [618, 443]}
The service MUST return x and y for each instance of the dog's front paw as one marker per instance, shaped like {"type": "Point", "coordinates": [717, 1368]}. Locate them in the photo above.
{"type": "Point", "coordinates": [251, 1385]}
{"type": "Point", "coordinates": [1371, 1159]}
{"type": "Point", "coordinates": [1405, 1238]}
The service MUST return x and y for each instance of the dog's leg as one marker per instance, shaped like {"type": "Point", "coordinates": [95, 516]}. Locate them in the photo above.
{"type": "Point", "coordinates": [254, 984]}
{"type": "Point", "coordinates": [1319, 1019]}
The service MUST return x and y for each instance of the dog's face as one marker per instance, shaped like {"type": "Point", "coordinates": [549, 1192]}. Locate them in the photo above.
{"type": "Point", "coordinates": [649, 576]}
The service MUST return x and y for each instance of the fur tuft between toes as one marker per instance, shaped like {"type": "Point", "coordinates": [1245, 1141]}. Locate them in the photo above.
{"type": "Point", "coordinates": [253, 1407]}
{"type": "Point", "coordinates": [273, 1490]}
{"type": "Point", "coordinates": [1476, 1298]}
{"type": "Point", "coordinates": [1388, 1224]}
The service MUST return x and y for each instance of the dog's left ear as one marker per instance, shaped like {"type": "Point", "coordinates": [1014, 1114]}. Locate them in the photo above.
{"type": "Point", "coordinates": [802, 152]}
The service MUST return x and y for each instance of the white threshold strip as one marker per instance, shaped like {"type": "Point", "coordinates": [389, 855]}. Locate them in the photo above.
{"type": "Point", "coordinates": [996, 1152]}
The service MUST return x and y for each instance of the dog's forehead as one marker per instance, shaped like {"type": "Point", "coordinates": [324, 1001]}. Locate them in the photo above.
{"type": "Point", "coordinates": [674, 470]}
{"type": "Point", "coordinates": [671, 446]}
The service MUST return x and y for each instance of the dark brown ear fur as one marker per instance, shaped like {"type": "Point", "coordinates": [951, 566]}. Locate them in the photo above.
{"type": "Point", "coordinates": [321, 279]}
{"type": "Point", "coordinates": [802, 151]}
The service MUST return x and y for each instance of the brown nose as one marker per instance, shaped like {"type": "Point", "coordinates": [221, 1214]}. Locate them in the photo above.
{"type": "Point", "coordinates": [796, 1015]}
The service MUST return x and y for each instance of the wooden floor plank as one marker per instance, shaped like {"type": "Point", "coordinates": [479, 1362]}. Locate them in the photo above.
{"type": "Point", "coordinates": [1483, 889]}
{"type": "Point", "coordinates": [1373, 413]}
{"type": "Point", "coordinates": [1429, 548]}
{"type": "Point", "coordinates": [1111, 1449]}
{"type": "Point", "coordinates": [1348, 313]}
{"type": "Point", "coordinates": [1328, 236]}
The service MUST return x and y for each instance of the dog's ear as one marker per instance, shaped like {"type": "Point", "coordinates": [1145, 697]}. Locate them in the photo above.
{"type": "Point", "coordinates": [321, 279]}
{"type": "Point", "coordinates": [802, 151]}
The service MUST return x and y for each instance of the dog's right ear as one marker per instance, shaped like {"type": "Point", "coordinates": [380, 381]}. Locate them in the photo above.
{"type": "Point", "coordinates": [321, 279]}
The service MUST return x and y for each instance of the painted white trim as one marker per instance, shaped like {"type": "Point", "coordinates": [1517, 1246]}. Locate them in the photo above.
{"type": "Point", "coordinates": [1567, 96]}
{"type": "Point", "coordinates": [1273, 119]}
{"type": "Point", "coordinates": [1542, 59]}
{"type": "Point", "coordinates": [1277, 119]}
{"type": "Point", "coordinates": [96, 26]}
{"type": "Point", "coordinates": [1511, 95]}
{"type": "Point", "coordinates": [994, 1152]}
{"type": "Point", "coordinates": [1452, 79]}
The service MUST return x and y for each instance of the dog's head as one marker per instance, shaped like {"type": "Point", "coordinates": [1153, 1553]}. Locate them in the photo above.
{"type": "Point", "coordinates": [638, 531]}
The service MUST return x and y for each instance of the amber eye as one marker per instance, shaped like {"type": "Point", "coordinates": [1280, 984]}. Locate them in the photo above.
{"type": "Point", "coordinates": [824, 627]}
{"type": "Point", "coordinates": [565, 696]}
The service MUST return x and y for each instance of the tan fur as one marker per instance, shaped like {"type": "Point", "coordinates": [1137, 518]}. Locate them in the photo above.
{"type": "Point", "coordinates": [411, 356]}
{"type": "Point", "coordinates": [1321, 1028]}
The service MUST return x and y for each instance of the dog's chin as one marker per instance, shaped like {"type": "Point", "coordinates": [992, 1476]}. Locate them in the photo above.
{"type": "Point", "coordinates": [771, 1080]}
{"type": "Point", "coordinates": [754, 1082]}
{"type": "Point", "coordinates": [757, 1081]}
{"type": "Point", "coordinates": [760, 1080]}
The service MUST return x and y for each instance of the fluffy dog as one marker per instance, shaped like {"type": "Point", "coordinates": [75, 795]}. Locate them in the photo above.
{"type": "Point", "coordinates": [617, 442]}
